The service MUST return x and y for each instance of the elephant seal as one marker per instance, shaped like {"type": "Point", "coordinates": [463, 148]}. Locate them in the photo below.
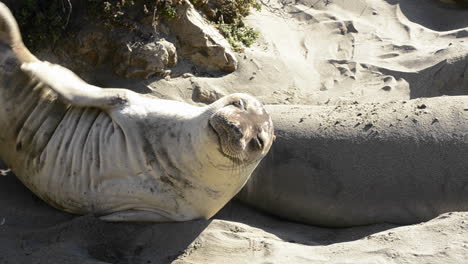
{"type": "Point", "coordinates": [400, 162]}
{"type": "Point", "coordinates": [118, 154]}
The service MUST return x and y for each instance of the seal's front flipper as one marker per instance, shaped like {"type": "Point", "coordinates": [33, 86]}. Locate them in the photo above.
{"type": "Point", "coordinates": [72, 88]}
{"type": "Point", "coordinates": [134, 216]}
{"type": "Point", "coordinates": [10, 35]}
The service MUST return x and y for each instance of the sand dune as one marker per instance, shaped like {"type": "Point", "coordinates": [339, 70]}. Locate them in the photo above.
{"type": "Point", "coordinates": [347, 51]}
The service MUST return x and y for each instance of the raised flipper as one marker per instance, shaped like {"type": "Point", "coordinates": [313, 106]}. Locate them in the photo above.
{"type": "Point", "coordinates": [73, 89]}
{"type": "Point", "coordinates": [9, 30]}
{"type": "Point", "coordinates": [10, 35]}
{"type": "Point", "coordinates": [134, 216]}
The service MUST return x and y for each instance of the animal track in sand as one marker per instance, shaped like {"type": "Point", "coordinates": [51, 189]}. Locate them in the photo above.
{"type": "Point", "coordinates": [389, 55]}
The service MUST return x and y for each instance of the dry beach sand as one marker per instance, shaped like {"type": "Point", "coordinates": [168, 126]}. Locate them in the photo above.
{"type": "Point", "coordinates": [33, 232]}
{"type": "Point", "coordinates": [309, 52]}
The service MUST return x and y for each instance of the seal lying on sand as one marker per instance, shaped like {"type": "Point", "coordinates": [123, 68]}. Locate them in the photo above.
{"type": "Point", "coordinates": [118, 154]}
{"type": "Point", "coordinates": [400, 162]}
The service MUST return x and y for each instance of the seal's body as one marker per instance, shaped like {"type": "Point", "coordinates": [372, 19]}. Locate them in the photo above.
{"type": "Point", "coordinates": [399, 162]}
{"type": "Point", "coordinates": [118, 154]}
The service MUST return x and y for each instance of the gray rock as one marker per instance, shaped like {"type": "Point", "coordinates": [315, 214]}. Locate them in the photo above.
{"type": "Point", "coordinates": [206, 93]}
{"type": "Point", "coordinates": [146, 60]}
{"type": "Point", "coordinates": [201, 41]}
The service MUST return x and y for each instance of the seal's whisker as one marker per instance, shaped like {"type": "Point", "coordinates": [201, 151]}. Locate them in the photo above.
{"type": "Point", "coordinates": [242, 166]}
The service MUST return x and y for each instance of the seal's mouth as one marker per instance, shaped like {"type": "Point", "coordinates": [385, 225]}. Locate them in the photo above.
{"type": "Point", "coordinates": [236, 160]}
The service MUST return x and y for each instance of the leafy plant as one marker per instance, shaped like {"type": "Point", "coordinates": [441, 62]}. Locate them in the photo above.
{"type": "Point", "coordinates": [238, 34]}
{"type": "Point", "coordinates": [169, 12]}
{"type": "Point", "coordinates": [228, 15]}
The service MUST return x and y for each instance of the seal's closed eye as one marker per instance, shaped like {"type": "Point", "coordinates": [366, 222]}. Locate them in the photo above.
{"type": "Point", "coordinates": [239, 103]}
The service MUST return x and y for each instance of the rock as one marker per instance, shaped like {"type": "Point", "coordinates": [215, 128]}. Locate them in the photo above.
{"type": "Point", "coordinates": [89, 47]}
{"type": "Point", "coordinates": [146, 60]}
{"type": "Point", "coordinates": [93, 46]}
{"type": "Point", "coordinates": [200, 40]}
{"type": "Point", "coordinates": [81, 51]}
{"type": "Point", "coordinates": [205, 93]}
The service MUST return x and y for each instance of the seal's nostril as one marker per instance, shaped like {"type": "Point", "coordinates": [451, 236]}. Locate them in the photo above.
{"type": "Point", "coordinates": [257, 143]}
{"type": "Point", "coordinates": [260, 141]}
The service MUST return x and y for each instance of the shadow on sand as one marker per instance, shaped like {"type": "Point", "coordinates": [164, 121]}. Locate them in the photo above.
{"type": "Point", "coordinates": [434, 14]}
{"type": "Point", "coordinates": [33, 231]}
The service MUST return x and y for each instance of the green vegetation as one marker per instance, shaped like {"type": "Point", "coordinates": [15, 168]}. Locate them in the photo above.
{"type": "Point", "coordinates": [241, 8]}
{"type": "Point", "coordinates": [168, 11]}
{"type": "Point", "coordinates": [228, 16]}
{"type": "Point", "coordinates": [238, 34]}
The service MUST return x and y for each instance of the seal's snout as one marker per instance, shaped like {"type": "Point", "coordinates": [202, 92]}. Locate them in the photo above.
{"type": "Point", "coordinates": [244, 128]}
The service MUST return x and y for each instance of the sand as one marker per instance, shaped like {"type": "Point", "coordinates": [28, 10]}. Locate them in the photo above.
{"type": "Point", "coordinates": [33, 232]}
{"type": "Point", "coordinates": [309, 52]}
{"type": "Point", "coordinates": [346, 52]}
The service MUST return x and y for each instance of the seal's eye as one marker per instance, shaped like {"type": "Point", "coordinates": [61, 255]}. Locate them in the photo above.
{"type": "Point", "coordinates": [239, 104]}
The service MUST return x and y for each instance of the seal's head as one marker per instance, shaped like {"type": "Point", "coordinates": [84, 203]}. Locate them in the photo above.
{"type": "Point", "coordinates": [243, 128]}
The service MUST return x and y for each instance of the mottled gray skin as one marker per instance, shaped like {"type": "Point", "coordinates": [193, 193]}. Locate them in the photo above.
{"type": "Point", "coordinates": [401, 162]}
{"type": "Point", "coordinates": [118, 154]}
